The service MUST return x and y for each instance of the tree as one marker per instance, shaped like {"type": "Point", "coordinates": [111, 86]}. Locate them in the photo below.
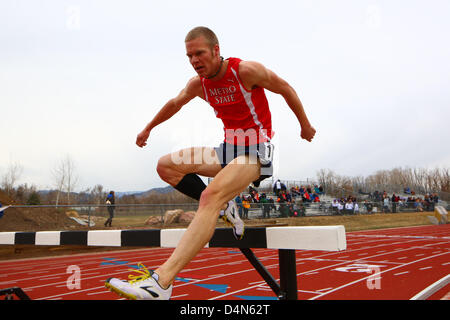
{"type": "Point", "coordinates": [71, 177]}
{"type": "Point", "coordinates": [65, 177]}
{"type": "Point", "coordinates": [59, 178]}
{"type": "Point", "coordinates": [12, 175]}
{"type": "Point", "coordinates": [97, 194]}
{"type": "Point", "coordinates": [34, 199]}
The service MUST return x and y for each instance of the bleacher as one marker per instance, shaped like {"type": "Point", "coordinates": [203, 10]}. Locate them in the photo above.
{"type": "Point", "coordinates": [324, 207]}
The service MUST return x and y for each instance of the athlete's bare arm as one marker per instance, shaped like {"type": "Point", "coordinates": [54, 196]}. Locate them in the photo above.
{"type": "Point", "coordinates": [255, 74]}
{"type": "Point", "coordinates": [193, 89]}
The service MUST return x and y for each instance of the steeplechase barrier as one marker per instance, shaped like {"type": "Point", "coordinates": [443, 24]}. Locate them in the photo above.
{"type": "Point", "coordinates": [285, 239]}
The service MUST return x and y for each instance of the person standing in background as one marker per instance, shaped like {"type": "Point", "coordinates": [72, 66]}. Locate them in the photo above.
{"type": "Point", "coordinates": [110, 201]}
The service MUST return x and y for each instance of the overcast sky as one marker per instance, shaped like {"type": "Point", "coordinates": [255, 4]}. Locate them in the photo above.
{"type": "Point", "coordinates": [82, 78]}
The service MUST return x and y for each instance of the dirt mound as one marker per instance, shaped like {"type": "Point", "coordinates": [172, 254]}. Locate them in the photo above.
{"type": "Point", "coordinates": [32, 219]}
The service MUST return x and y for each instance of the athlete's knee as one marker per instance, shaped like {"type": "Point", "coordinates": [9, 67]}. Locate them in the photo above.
{"type": "Point", "coordinates": [211, 197]}
{"type": "Point", "coordinates": [165, 168]}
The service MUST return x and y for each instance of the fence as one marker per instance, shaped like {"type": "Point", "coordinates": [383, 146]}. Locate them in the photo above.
{"type": "Point", "coordinates": [93, 216]}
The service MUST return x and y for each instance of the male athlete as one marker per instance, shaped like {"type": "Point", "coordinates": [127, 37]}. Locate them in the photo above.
{"type": "Point", "coordinates": [235, 89]}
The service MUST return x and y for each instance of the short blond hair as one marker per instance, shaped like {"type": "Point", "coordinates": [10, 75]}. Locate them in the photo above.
{"type": "Point", "coordinates": [207, 33]}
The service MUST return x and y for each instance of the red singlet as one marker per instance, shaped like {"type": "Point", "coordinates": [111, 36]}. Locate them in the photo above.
{"type": "Point", "coordinates": [245, 114]}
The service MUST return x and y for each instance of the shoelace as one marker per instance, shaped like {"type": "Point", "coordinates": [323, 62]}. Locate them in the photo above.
{"type": "Point", "coordinates": [143, 274]}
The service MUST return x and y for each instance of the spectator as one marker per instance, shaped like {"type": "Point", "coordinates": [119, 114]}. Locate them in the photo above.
{"type": "Point", "coordinates": [340, 207]}
{"type": "Point", "coordinates": [282, 200]}
{"type": "Point", "coordinates": [418, 205]}
{"type": "Point", "coordinates": [265, 206]}
{"type": "Point", "coordinates": [295, 191]}
{"type": "Point", "coordinates": [334, 206]}
{"type": "Point", "coordinates": [306, 197]}
{"type": "Point", "coordinates": [386, 204]}
{"type": "Point", "coordinates": [288, 196]}
{"type": "Point", "coordinates": [110, 201]}
{"type": "Point", "coordinates": [355, 208]}
{"type": "Point", "coordinates": [435, 200]}
{"type": "Point", "coordinates": [318, 190]}
{"type": "Point", "coordinates": [254, 194]}
{"type": "Point", "coordinates": [368, 205]}
{"type": "Point", "coordinates": [271, 204]}
{"type": "Point", "coordinates": [349, 207]}
{"type": "Point", "coordinates": [238, 201]}
{"type": "Point", "coordinates": [394, 201]}
{"type": "Point", "coordinates": [246, 205]}
{"type": "Point", "coordinates": [278, 186]}
{"type": "Point", "coordinates": [321, 190]}
{"type": "Point", "coordinates": [315, 197]}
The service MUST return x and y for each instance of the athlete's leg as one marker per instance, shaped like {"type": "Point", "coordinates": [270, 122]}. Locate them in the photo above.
{"type": "Point", "coordinates": [199, 160]}
{"type": "Point", "coordinates": [230, 181]}
{"type": "Point", "coordinates": [180, 169]}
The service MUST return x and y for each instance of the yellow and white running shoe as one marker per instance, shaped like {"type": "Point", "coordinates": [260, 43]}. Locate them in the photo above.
{"type": "Point", "coordinates": [231, 216]}
{"type": "Point", "coordinates": [143, 286]}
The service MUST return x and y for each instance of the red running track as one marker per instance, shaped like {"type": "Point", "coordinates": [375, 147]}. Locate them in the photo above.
{"type": "Point", "coordinates": [380, 264]}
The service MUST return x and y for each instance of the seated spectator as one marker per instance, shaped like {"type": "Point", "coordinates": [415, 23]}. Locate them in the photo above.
{"type": "Point", "coordinates": [315, 197]}
{"type": "Point", "coordinates": [334, 206]}
{"type": "Point", "coordinates": [321, 191]}
{"type": "Point", "coordinates": [386, 204]}
{"type": "Point", "coordinates": [340, 208]}
{"type": "Point", "coordinates": [355, 208]}
{"type": "Point", "coordinates": [288, 196]}
{"type": "Point", "coordinates": [368, 206]}
{"type": "Point", "coordinates": [253, 194]}
{"type": "Point", "coordinates": [349, 207]}
{"type": "Point", "coordinates": [295, 191]}
{"type": "Point", "coordinates": [316, 189]}
{"type": "Point", "coordinates": [306, 197]}
{"type": "Point", "coordinates": [282, 200]}
{"type": "Point", "coordinates": [418, 205]}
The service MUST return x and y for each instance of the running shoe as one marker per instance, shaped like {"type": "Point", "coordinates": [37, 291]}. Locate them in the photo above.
{"type": "Point", "coordinates": [143, 286]}
{"type": "Point", "coordinates": [231, 216]}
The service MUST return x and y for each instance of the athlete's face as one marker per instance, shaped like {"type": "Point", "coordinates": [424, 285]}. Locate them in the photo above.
{"type": "Point", "coordinates": [204, 59]}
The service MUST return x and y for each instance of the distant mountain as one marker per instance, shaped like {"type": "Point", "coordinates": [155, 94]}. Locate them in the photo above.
{"type": "Point", "coordinates": [120, 194]}
{"type": "Point", "coordinates": [162, 190]}
{"type": "Point", "coordinates": [127, 193]}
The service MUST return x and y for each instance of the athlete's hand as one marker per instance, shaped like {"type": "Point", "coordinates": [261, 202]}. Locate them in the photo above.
{"type": "Point", "coordinates": [308, 133]}
{"type": "Point", "coordinates": [142, 137]}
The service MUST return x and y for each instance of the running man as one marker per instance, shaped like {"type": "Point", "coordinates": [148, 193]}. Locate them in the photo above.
{"type": "Point", "coordinates": [235, 89]}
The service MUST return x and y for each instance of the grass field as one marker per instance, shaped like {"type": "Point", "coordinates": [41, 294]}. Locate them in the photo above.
{"type": "Point", "coordinates": [351, 222]}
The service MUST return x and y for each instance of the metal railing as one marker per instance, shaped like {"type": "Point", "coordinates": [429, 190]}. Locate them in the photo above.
{"type": "Point", "coordinates": [136, 215]}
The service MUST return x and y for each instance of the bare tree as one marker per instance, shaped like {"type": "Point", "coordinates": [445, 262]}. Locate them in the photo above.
{"type": "Point", "coordinates": [98, 194]}
{"type": "Point", "coordinates": [65, 177]}
{"type": "Point", "coordinates": [59, 178]}
{"type": "Point", "coordinates": [71, 176]}
{"type": "Point", "coordinates": [12, 175]}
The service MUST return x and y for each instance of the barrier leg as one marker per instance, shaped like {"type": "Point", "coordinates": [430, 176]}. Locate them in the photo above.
{"type": "Point", "coordinates": [288, 274]}
{"type": "Point", "coordinates": [287, 289]}
{"type": "Point", "coordinates": [273, 284]}
{"type": "Point", "coordinates": [14, 290]}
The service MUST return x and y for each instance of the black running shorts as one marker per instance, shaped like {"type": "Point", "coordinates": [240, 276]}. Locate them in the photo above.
{"type": "Point", "coordinates": [264, 154]}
